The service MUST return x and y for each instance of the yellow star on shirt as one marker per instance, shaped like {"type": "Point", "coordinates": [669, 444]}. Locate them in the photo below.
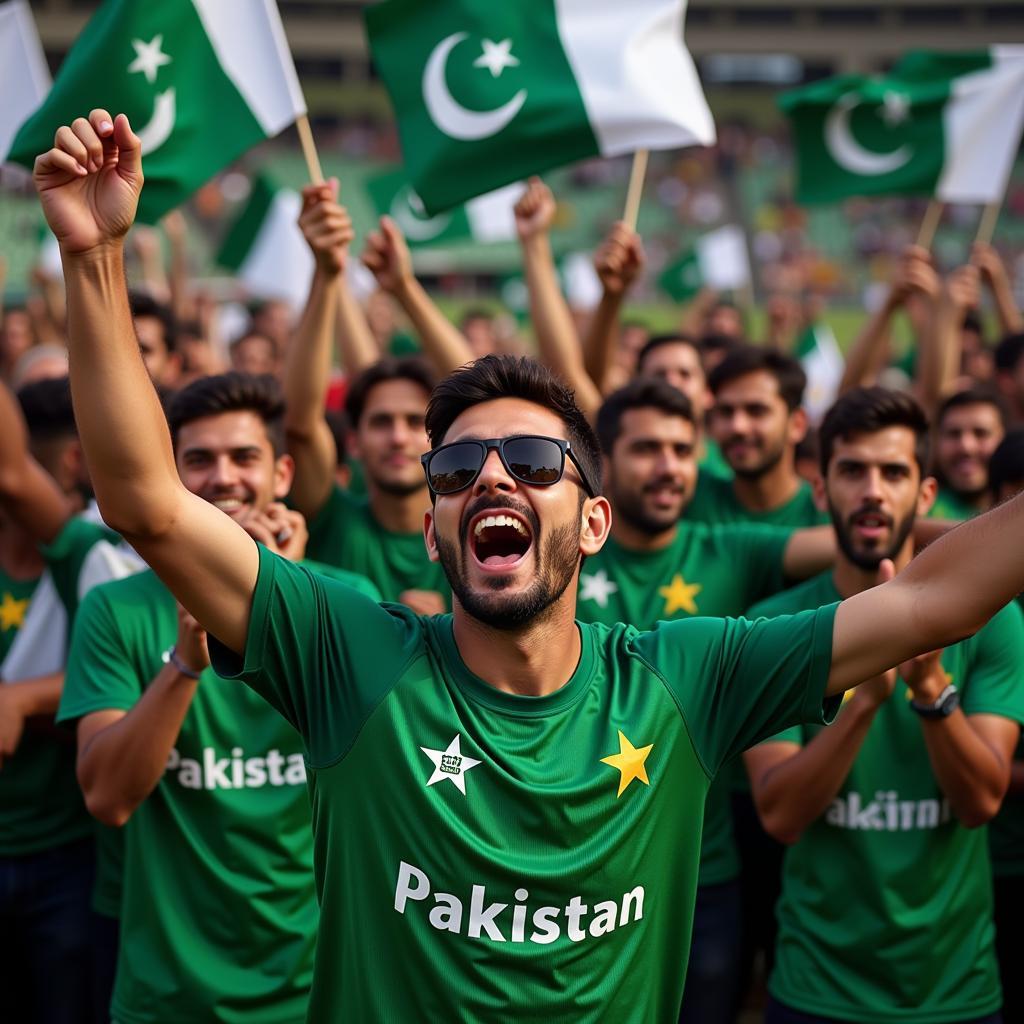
{"type": "Point", "coordinates": [12, 612]}
{"type": "Point", "coordinates": [680, 595]}
{"type": "Point", "coordinates": [630, 763]}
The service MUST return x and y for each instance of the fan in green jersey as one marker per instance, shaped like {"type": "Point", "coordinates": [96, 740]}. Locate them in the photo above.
{"type": "Point", "coordinates": [507, 805]}
{"type": "Point", "coordinates": [887, 803]}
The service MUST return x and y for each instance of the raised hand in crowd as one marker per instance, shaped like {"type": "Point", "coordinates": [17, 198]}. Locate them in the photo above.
{"type": "Point", "coordinates": [996, 278]}
{"type": "Point", "coordinates": [326, 226]}
{"type": "Point", "coordinates": [191, 645]}
{"type": "Point", "coordinates": [279, 528]}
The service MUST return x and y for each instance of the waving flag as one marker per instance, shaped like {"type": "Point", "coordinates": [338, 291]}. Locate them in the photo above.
{"type": "Point", "coordinates": [24, 76]}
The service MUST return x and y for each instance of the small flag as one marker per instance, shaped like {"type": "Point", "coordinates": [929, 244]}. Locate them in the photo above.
{"type": "Point", "coordinates": [487, 94]}
{"type": "Point", "coordinates": [265, 247]}
{"type": "Point", "coordinates": [718, 261]}
{"type": "Point", "coordinates": [487, 218]}
{"type": "Point", "coordinates": [945, 125]}
{"type": "Point", "coordinates": [202, 81]}
{"type": "Point", "coordinates": [818, 352]}
{"type": "Point", "coordinates": [24, 76]}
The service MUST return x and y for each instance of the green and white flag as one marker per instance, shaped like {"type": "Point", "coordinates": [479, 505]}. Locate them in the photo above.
{"type": "Point", "coordinates": [818, 352]}
{"type": "Point", "coordinates": [487, 94]}
{"type": "Point", "coordinates": [24, 76]}
{"type": "Point", "coordinates": [202, 81]}
{"type": "Point", "coordinates": [265, 248]}
{"type": "Point", "coordinates": [718, 261]}
{"type": "Point", "coordinates": [945, 125]}
{"type": "Point", "coordinates": [487, 218]}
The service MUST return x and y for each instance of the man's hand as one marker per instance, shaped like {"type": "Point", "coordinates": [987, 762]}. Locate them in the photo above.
{"type": "Point", "coordinates": [326, 226]}
{"type": "Point", "coordinates": [535, 210]}
{"type": "Point", "coordinates": [191, 646]}
{"type": "Point", "coordinates": [620, 259]}
{"type": "Point", "coordinates": [925, 676]}
{"type": "Point", "coordinates": [281, 529]}
{"type": "Point", "coordinates": [963, 290]}
{"type": "Point", "coordinates": [423, 602]}
{"type": "Point", "coordinates": [89, 183]}
{"type": "Point", "coordinates": [386, 256]}
{"type": "Point", "coordinates": [12, 721]}
{"type": "Point", "coordinates": [915, 276]}
{"type": "Point", "coordinates": [875, 692]}
{"type": "Point", "coordinates": [990, 266]}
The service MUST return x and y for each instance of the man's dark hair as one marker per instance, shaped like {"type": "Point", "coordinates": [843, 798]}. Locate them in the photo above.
{"type": "Point", "coordinates": [979, 395]}
{"type": "Point", "coordinates": [1007, 463]}
{"type": "Point", "coordinates": [501, 376]}
{"type": "Point", "coordinates": [641, 393]}
{"type": "Point", "coordinates": [231, 392]}
{"type": "Point", "coordinates": [46, 406]}
{"type": "Point", "coordinates": [656, 341]}
{"type": "Point", "coordinates": [972, 322]}
{"type": "Point", "coordinates": [411, 368]}
{"type": "Point", "coordinates": [145, 305]}
{"type": "Point", "coordinates": [260, 336]}
{"type": "Point", "coordinates": [869, 410]}
{"type": "Point", "coordinates": [476, 313]}
{"type": "Point", "coordinates": [746, 359]}
{"type": "Point", "coordinates": [338, 424]}
{"type": "Point", "coordinates": [1009, 352]}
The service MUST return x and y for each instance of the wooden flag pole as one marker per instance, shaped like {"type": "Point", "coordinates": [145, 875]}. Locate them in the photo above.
{"type": "Point", "coordinates": [316, 175]}
{"type": "Point", "coordinates": [929, 224]}
{"type": "Point", "coordinates": [636, 188]}
{"type": "Point", "coordinates": [987, 224]}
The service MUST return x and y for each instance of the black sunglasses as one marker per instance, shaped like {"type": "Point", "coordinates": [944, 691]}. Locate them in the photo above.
{"type": "Point", "coordinates": [530, 458]}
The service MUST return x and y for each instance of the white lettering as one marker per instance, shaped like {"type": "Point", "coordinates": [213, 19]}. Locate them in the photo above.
{"type": "Point", "coordinates": [236, 771]}
{"type": "Point", "coordinates": [636, 898]}
{"type": "Point", "coordinates": [191, 774]}
{"type": "Point", "coordinates": [407, 873]}
{"type": "Point", "coordinates": [886, 813]}
{"type": "Point", "coordinates": [215, 770]}
{"type": "Point", "coordinates": [274, 763]}
{"type": "Point", "coordinates": [544, 919]}
{"type": "Point", "coordinates": [573, 913]}
{"type": "Point", "coordinates": [447, 917]}
{"type": "Point", "coordinates": [480, 918]}
{"type": "Point", "coordinates": [295, 773]}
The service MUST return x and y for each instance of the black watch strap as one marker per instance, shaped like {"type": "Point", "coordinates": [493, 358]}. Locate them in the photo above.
{"type": "Point", "coordinates": [946, 703]}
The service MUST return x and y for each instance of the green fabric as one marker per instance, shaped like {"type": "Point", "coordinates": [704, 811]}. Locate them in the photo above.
{"type": "Point", "coordinates": [645, 591]}
{"type": "Point", "coordinates": [713, 461]}
{"type": "Point", "coordinates": [392, 195]}
{"type": "Point", "coordinates": [949, 505]}
{"type": "Point", "coordinates": [40, 803]}
{"type": "Point", "coordinates": [715, 501]}
{"type": "Point", "coordinates": [555, 896]}
{"type": "Point", "coordinates": [218, 917]}
{"type": "Point", "coordinates": [886, 905]}
{"type": "Point", "coordinates": [345, 534]}
{"type": "Point", "coordinates": [683, 278]}
{"type": "Point", "coordinates": [212, 124]}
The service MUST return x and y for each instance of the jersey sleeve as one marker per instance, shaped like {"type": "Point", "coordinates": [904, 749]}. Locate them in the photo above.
{"type": "Point", "coordinates": [995, 670]}
{"type": "Point", "coordinates": [319, 652]}
{"type": "Point", "coordinates": [738, 681]}
{"type": "Point", "coordinates": [100, 674]}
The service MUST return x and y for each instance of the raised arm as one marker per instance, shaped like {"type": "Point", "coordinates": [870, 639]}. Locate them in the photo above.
{"type": "Point", "coordinates": [328, 231]}
{"type": "Point", "coordinates": [557, 342]}
{"type": "Point", "coordinates": [995, 277]}
{"type": "Point", "coordinates": [387, 256]}
{"type": "Point", "coordinates": [89, 185]}
{"type": "Point", "coordinates": [938, 363]}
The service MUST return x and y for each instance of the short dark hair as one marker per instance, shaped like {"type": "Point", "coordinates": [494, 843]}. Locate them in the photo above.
{"type": "Point", "coordinates": [337, 423]}
{"type": "Point", "coordinates": [145, 305]}
{"type": "Point", "coordinates": [503, 376]}
{"type": "Point", "coordinates": [979, 395]}
{"type": "Point", "coordinates": [231, 392]}
{"type": "Point", "coordinates": [1007, 463]}
{"type": "Point", "coordinates": [411, 368]}
{"type": "Point", "coordinates": [1009, 352]}
{"type": "Point", "coordinates": [746, 359]}
{"type": "Point", "coordinates": [869, 410]}
{"type": "Point", "coordinates": [46, 406]}
{"type": "Point", "coordinates": [641, 393]}
{"type": "Point", "coordinates": [657, 341]}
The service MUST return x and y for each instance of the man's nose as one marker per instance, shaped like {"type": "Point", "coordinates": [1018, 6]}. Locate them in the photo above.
{"type": "Point", "coordinates": [493, 476]}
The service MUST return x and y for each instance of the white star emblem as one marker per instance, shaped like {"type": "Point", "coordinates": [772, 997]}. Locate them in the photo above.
{"type": "Point", "coordinates": [450, 764]}
{"type": "Point", "coordinates": [496, 57]}
{"type": "Point", "coordinates": [895, 108]}
{"type": "Point", "coordinates": [149, 57]}
{"type": "Point", "coordinates": [597, 587]}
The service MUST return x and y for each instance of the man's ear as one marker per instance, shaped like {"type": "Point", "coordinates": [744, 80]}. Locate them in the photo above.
{"type": "Point", "coordinates": [797, 425]}
{"type": "Point", "coordinates": [596, 525]}
{"type": "Point", "coordinates": [926, 496]}
{"type": "Point", "coordinates": [818, 490]}
{"type": "Point", "coordinates": [429, 536]}
{"type": "Point", "coordinates": [284, 474]}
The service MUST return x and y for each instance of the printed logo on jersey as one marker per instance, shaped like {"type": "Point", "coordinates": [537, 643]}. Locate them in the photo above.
{"type": "Point", "coordinates": [630, 762]}
{"type": "Point", "coordinates": [680, 596]}
{"type": "Point", "coordinates": [450, 764]}
{"type": "Point", "coordinates": [887, 813]}
{"type": "Point", "coordinates": [492, 921]}
{"type": "Point", "coordinates": [237, 771]}
{"type": "Point", "coordinates": [597, 587]}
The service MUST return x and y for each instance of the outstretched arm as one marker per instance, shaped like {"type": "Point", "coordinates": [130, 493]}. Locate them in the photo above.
{"type": "Point", "coordinates": [994, 275]}
{"type": "Point", "coordinates": [89, 185]}
{"type": "Point", "coordinates": [941, 344]}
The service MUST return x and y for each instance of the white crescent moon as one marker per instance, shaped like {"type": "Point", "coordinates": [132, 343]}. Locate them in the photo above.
{"type": "Point", "coordinates": [418, 229]}
{"type": "Point", "coordinates": [452, 118]}
{"type": "Point", "coordinates": [158, 130]}
{"type": "Point", "coordinates": [849, 153]}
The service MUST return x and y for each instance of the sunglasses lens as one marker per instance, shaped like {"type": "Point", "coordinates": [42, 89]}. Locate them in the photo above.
{"type": "Point", "coordinates": [454, 467]}
{"type": "Point", "coordinates": [534, 460]}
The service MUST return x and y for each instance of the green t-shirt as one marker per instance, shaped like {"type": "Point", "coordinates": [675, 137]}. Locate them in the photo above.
{"type": "Point", "coordinates": [949, 505]}
{"type": "Point", "coordinates": [218, 914]}
{"type": "Point", "coordinates": [482, 855]}
{"type": "Point", "coordinates": [713, 461]}
{"type": "Point", "coordinates": [345, 534]}
{"type": "Point", "coordinates": [886, 905]}
{"type": "Point", "coordinates": [40, 803]}
{"type": "Point", "coordinates": [714, 501]}
{"type": "Point", "coordinates": [695, 575]}
{"type": "Point", "coordinates": [1006, 832]}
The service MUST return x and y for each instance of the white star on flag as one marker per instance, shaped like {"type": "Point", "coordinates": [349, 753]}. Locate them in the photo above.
{"type": "Point", "coordinates": [496, 57]}
{"type": "Point", "coordinates": [896, 108]}
{"type": "Point", "coordinates": [149, 57]}
{"type": "Point", "coordinates": [597, 587]}
{"type": "Point", "coordinates": [450, 764]}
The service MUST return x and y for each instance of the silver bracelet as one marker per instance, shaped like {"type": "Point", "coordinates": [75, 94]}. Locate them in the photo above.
{"type": "Point", "coordinates": [175, 660]}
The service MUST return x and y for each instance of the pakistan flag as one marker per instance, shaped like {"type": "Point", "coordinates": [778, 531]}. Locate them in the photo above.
{"type": "Point", "coordinates": [945, 125]}
{"type": "Point", "coordinates": [488, 93]}
{"type": "Point", "coordinates": [718, 261]}
{"type": "Point", "coordinates": [201, 81]}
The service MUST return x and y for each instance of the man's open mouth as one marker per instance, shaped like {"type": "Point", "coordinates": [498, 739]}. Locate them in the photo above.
{"type": "Point", "coordinates": [499, 540]}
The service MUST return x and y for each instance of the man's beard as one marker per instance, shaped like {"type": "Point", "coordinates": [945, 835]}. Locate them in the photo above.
{"type": "Point", "coordinates": [400, 488]}
{"type": "Point", "coordinates": [865, 559]}
{"type": "Point", "coordinates": [630, 509]}
{"type": "Point", "coordinates": [557, 562]}
{"type": "Point", "coordinates": [772, 457]}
